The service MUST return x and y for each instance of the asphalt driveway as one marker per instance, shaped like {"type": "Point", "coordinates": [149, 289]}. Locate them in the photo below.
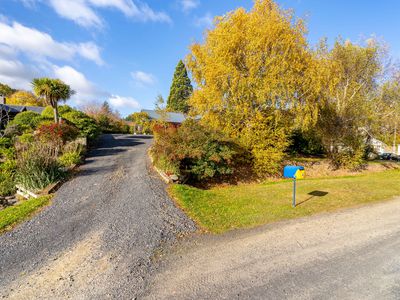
{"type": "Point", "coordinates": [99, 237]}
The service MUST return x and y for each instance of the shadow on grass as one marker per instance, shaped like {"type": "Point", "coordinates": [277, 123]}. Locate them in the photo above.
{"type": "Point", "coordinates": [313, 194]}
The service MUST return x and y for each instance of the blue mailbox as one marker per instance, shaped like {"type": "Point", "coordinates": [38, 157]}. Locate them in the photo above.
{"type": "Point", "coordinates": [294, 172]}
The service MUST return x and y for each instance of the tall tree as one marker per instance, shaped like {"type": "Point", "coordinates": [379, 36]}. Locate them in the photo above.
{"type": "Point", "coordinates": [252, 74]}
{"type": "Point", "coordinates": [181, 90]}
{"type": "Point", "coordinates": [52, 91]}
{"type": "Point", "coordinates": [388, 111]}
{"type": "Point", "coordinates": [350, 76]}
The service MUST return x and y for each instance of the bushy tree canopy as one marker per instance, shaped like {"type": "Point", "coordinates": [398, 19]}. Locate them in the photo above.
{"type": "Point", "coordinates": [252, 67]}
{"type": "Point", "coordinates": [258, 80]}
{"type": "Point", "coordinates": [6, 90]}
{"type": "Point", "coordinates": [86, 125]}
{"type": "Point", "coordinates": [24, 98]}
{"type": "Point", "coordinates": [348, 99]}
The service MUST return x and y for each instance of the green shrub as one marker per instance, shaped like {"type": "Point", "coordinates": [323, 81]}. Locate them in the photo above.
{"type": "Point", "coordinates": [7, 167]}
{"type": "Point", "coordinates": [7, 184]}
{"type": "Point", "coordinates": [5, 142]}
{"type": "Point", "coordinates": [37, 166]}
{"type": "Point", "coordinates": [12, 130]}
{"type": "Point", "coordinates": [168, 166]}
{"type": "Point", "coordinates": [195, 149]}
{"type": "Point", "coordinates": [87, 126]}
{"type": "Point", "coordinates": [7, 161]}
{"type": "Point", "coordinates": [69, 159]}
{"type": "Point", "coordinates": [26, 138]}
{"type": "Point", "coordinates": [27, 120]}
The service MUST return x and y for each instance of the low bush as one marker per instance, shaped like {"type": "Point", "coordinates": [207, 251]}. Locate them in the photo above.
{"type": "Point", "coordinates": [54, 131]}
{"type": "Point", "coordinates": [69, 159]}
{"type": "Point", "coordinates": [27, 120]}
{"type": "Point", "coordinates": [5, 142]}
{"type": "Point", "coordinates": [26, 138]}
{"type": "Point", "coordinates": [7, 184]}
{"type": "Point", "coordinates": [7, 167]}
{"type": "Point", "coordinates": [12, 130]}
{"type": "Point", "coordinates": [37, 166]}
{"type": "Point", "coordinates": [87, 126]}
{"type": "Point", "coordinates": [194, 149]}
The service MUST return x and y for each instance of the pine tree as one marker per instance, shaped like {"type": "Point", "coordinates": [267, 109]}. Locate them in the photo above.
{"type": "Point", "coordinates": [181, 90]}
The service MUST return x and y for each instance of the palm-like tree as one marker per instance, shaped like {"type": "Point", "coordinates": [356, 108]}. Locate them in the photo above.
{"type": "Point", "coordinates": [52, 91]}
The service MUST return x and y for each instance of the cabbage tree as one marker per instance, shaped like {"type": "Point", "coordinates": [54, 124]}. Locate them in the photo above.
{"type": "Point", "coordinates": [52, 91]}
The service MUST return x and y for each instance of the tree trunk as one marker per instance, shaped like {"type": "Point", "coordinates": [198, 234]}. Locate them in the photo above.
{"type": "Point", "coordinates": [395, 138]}
{"type": "Point", "coordinates": [55, 108]}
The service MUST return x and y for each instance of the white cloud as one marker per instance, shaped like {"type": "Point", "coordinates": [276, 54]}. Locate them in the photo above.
{"type": "Point", "coordinates": [120, 102]}
{"type": "Point", "coordinates": [41, 45]}
{"type": "Point", "coordinates": [84, 13]}
{"type": "Point", "coordinates": [147, 14]}
{"type": "Point", "coordinates": [15, 73]}
{"type": "Point", "coordinates": [77, 11]}
{"type": "Point", "coordinates": [188, 5]}
{"type": "Point", "coordinates": [90, 51]}
{"type": "Point", "coordinates": [84, 89]}
{"type": "Point", "coordinates": [88, 93]}
{"type": "Point", "coordinates": [205, 21]}
{"type": "Point", "coordinates": [125, 6]}
{"type": "Point", "coordinates": [143, 78]}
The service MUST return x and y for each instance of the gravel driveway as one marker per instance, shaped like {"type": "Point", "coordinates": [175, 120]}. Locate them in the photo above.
{"type": "Point", "coordinates": [101, 234]}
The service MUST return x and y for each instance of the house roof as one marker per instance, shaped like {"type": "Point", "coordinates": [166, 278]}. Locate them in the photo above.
{"type": "Point", "coordinates": [171, 117]}
{"type": "Point", "coordinates": [19, 108]}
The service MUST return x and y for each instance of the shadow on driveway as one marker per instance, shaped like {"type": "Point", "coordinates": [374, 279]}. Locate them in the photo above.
{"type": "Point", "coordinates": [112, 144]}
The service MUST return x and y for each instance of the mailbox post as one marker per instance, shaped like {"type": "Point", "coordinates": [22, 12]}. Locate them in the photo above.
{"type": "Point", "coordinates": [294, 172]}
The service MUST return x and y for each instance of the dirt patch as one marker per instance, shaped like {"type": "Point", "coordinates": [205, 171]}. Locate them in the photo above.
{"type": "Point", "coordinates": [70, 274]}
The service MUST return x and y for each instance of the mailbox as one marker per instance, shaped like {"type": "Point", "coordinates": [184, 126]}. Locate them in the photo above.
{"type": "Point", "coordinates": [294, 172]}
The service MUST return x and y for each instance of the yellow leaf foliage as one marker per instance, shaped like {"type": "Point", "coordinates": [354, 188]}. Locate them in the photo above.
{"type": "Point", "coordinates": [24, 98]}
{"type": "Point", "coordinates": [254, 64]}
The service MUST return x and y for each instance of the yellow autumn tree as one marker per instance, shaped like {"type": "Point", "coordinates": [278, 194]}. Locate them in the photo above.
{"type": "Point", "coordinates": [254, 75]}
{"type": "Point", "coordinates": [24, 98]}
{"type": "Point", "coordinates": [346, 106]}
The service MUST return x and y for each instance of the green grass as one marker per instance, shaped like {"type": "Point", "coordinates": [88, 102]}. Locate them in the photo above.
{"type": "Point", "coordinates": [244, 206]}
{"type": "Point", "coordinates": [13, 215]}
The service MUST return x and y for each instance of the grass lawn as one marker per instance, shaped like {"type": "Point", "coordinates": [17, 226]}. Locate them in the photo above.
{"type": "Point", "coordinates": [225, 208]}
{"type": "Point", "coordinates": [13, 215]}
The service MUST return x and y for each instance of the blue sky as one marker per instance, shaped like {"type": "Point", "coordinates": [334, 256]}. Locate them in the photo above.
{"type": "Point", "coordinates": [125, 51]}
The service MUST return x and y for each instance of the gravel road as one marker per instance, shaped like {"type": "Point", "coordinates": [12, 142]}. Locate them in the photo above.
{"type": "Point", "coordinates": [353, 254]}
{"type": "Point", "coordinates": [111, 234]}
{"type": "Point", "coordinates": [102, 234]}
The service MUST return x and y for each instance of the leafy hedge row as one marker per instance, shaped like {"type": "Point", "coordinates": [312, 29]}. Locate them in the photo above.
{"type": "Point", "coordinates": [194, 150]}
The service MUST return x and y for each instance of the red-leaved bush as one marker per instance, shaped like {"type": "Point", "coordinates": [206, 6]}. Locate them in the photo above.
{"type": "Point", "coordinates": [62, 132]}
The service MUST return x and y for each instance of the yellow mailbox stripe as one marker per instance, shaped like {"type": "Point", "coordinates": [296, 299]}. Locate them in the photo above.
{"type": "Point", "coordinates": [299, 174]}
